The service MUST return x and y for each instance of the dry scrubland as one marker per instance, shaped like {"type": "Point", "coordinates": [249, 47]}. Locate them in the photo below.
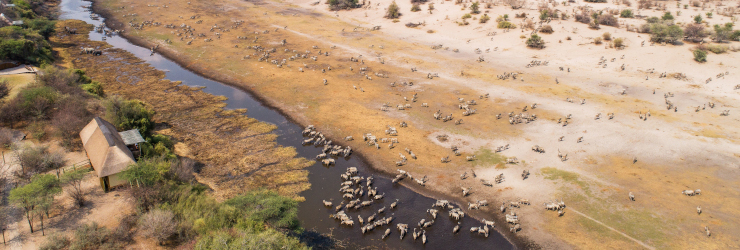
{"type": "Point", "coordinates": [202, 129]}
{"type": "Point", "coordinates": [674, 150]}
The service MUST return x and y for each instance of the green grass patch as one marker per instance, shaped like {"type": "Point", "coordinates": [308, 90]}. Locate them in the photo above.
{"type": "Point", "coordinates": [487, 158]}
{"type": "Point", "coordinates": [557, 174]}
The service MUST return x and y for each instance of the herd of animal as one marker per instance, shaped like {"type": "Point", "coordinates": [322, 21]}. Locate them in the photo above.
{"type": "Point", "coordinates": [352, 189]}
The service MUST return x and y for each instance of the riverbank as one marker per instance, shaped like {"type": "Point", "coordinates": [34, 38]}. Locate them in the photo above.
{"type": "Point", "coordinates": [338, 109]}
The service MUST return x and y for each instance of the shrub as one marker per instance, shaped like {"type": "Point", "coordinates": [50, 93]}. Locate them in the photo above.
{"type": "Point", "coordinates": [255, 239]}
{"type": "Point", "coordinates": [735, 36]}
{"type": "Point", "coordinates": [722, 32]}
{"type": "Point", "coordinates": [93, 88]}
{"type": "Point", "coordinates": [665, 33]}
{"type": "Point", "coordinates": [484, 18]}
{"type": "Point", "coordinates": [4, 88]}
{"type": "Point", "coordinates": [696, 3]}
{"type": "Point", "coordinates": [700, 55]}
{"type": "Point", "coordinates": [529, 24]}
{"type": "Point", "coordinates": [431, 6]}
{"type": "Point", "coordinates": [709, 15]}
{"type": "Point", "coordinates": [415, 8]}
{"type": "Point", "coordinates": [89, 236]}
{"type": "Point", "coordinates": [38, 100]}
{"type": "Point", "coordinates": [342, 4]}
{"type": "Point", "coordinates": [597, 40]}
{"type": "Point", "coordinates": [697, 19]}
{"type": "Point", "coordinates": [74, 180]}
{"type": "Point", "coordinates": [583, 18]}
{"type": "Point", "coordinates": [55, 242]}
{"type": "Point", "coordinates": [158, 224]}
{"type": "Point", "coordinates": [61, 80]}
{"type": "Point", "coordinates": [183, 169]}
{"type": "Point", "coordinates": [608, 20]}
{"type": "Point", "coordinates": [594, 25]}
{"type": "Point", "coordinates": [535, 41]}
{"type": "Point", "coordinates": [506, 25]}
{"type": "Point", "coordinates": [147, 171]}
{"type": "Point", "coordinates": [607, 36]}
{"type": "Point", "coordinates": [547, 29]}
{"type": "Point", "coordinates": [667, 16]}
{"type": "Point", "coordinates": [393, 11]}
{"type": "Point", "coordinates": [596, 1]}
{"type": "Point", "coordinates": [695, 32]}
{"type": "Point", "coordinates": [466, 16]}
{"type": "Point", "coordinates": [475, 8]}
{"type": "Point", "coordinates": [37, 159]}
{"type": "Point", "coordinates": [129, 114]}
{"type": "Point", "coordinates": [644, 4]}
{"type": "Point", "coordinates": [25, 45]}
{"type": "Point", "coordinates": [626, 14]}
{"type": "Point", "coordinates": [618, 42]}
{"type": "Point", "coordinates": [627, 3]}
{"type": "Point", "coordinates": [717, 49]}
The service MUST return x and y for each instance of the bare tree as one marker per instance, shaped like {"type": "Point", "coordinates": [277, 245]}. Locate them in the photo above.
{"type": "Point", "coordinates": [5, 219]}
{"type": "Point", "coordinates": [183, 169]}
{"type": "Point", "coordinates": [74, 180]}
{"type": "Point", "coordinates": [158, 224]}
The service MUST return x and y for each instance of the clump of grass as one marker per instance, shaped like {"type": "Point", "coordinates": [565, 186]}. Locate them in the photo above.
{"type": "Point", "coordinates": [717, 49]}
{"type": "Point", "coordinates": [597, 40]}
{"type": "Point", "coordinates": [485, 157]}
{"type": "Point", "coordinates": [570, 177]}
{"type": "Point", "coordinates": [484, 18]}
{"type": "Point", "coordinates": [506, 25]}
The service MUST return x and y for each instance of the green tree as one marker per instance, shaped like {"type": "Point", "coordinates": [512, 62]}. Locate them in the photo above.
{"type": "Point", "coordinates": [393, 11]}
{"type": "Point", "coordinates": [73, 179]}
{"type": "Point", "coordinates": [129, 114]}
{"type": "Point", "coordinates": [39, 194]}
{"type": "Point", "coordinates": [697, 19]}
{"type": "Point", "coordinates": [475, 8]}
{"type": "Point", "coordinates": [722, 32]}
{"type": "Point", "coordinates": [147, 172]}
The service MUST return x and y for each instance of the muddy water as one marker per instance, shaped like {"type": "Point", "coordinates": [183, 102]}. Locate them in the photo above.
{"type": "Point", "coordinates": [325, 182]}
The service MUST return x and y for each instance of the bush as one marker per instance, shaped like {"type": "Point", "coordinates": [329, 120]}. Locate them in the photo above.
{"type": "Point", "coordinates": [596, 1]}
{"type": "Point", "coordinates": [484, 18]}
{"type": "Point", "coordinates": [626, 14]}
{"type": "Point", "coordinates": [607, 36]}
{"type": "Point", "coordinates": [722, 32]}
{"type": "Point", "coordinates": [89, 236]}
{"type": "Point", "coordinates": [4, 88]}
{"type": "Point", "coordinates": [147, 171]}
{"type": "Point", "coordinates": [132, 114]}
{"type": "Point", "coordinates": [700, 55]}
{"type": "Point", "coordinates": [695, 32]}
{"type": "Point", "coordinates": [36, 101]}
{"type": "Point", "coordinates": [55, 242]}
{"type": "Point", "coordinates": [475, 8]}
{"type": "Point", "coordinates": [735, 36]}
{"type": "Point", "coordinates": [248, 239]}
{"type": "Point", "coordinates": [665, 33]}
{"type": "Point", "coordinates": [431, 7]}
{"type": "Point", "coordinates": [183, 170]}
{"type": "Point", "coordinates": [618, 42]}
{"type": "Point", "coordinates": [25, 45]}
{"type": "Point", "coordinates": [158, 224]}
{"type": "Point", "coordinates": [597, 40]}
{"type": "Point", "coordinates": [608, 20]}
{"type": "Point", "coordinates": [696, 3]}
{"type": "Point", "coordinates": [644, 4]}
{"type": "Point", "coordinates": [535, 41]}
{"type": "Point", "coordinates": [547, 29]}
{"type": "Point", "coordinates": [667, 16]}
{"type": "Point", "coordinates": [342, 4]}
{"type": "Point", "coordinates": [506, 25]}
{"type": "Point", "coordinates": [269, 207]}
{"type": "Point", "coordinates": [697, 19]}
{"type": "Point", "coordinates": [415, 8]}
{"type": "Point", "coordinates": [74, 180]}
{"type": "Point", "coordinates": [93, 88]}
{"type": "Point", "coordinates": [38, 159]}
{"type": "Point", "coordinates": [393, 11]}
{"type": "Point", "coordinates": [652, 19]}
{"type": "Point", "coordinates": [583, 18]}
{"type": "Point", "coordinates": [70, 117]}
{"type": "Point", "coordinates": [717, 49]}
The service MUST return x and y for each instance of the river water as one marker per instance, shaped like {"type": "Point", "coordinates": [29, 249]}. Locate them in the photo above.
{"type": "Point", "coordinates": [325, 181]}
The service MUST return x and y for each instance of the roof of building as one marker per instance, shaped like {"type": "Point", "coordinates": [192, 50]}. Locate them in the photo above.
{"type": "Point", "coordinates": [131, 137]}
{"type": "Point", "coordinates": [106, 149]}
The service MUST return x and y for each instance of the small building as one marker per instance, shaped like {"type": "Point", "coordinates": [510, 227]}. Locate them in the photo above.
{"type": "Point", "coordinates": [108, 153]}
{"type": "Point", "coordinates": [132, 139]}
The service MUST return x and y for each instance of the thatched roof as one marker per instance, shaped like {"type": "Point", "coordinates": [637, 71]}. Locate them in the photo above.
{"type": "Point", "coordinates": [107, 152]}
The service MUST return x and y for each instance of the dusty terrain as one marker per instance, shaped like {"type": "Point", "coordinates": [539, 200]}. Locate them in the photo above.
{"type": "Point", "coordinates": [674, 151]}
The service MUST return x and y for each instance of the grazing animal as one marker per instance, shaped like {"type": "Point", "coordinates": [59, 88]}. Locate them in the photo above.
{"type": "Point", "coordinates": [698, 210]}
{"type": "Point", "coordinates": [327, 203]}
{"type": "Point", "coordinates": [706, 228]}
{"type": "Point", "coordinates": [632, 196]}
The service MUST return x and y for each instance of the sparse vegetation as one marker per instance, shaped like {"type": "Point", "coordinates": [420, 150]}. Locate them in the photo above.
{"type": "Point", "coordinates": [607, 36]}
{"type": "Point", "coordinates": [597, 40]}
{"type": "Point", "coordinates": [506, 25]}
{"type": "Point", "coordinates": [608, 20]}
{"type": "Point", "coordinates": [466, 16]}
{"type": "Point", "coordinates": [618, 42]}
{"type": "Point", "coordinates": [342, 4]}
{"type": "Point", "coordinates": [583, 18]}
{"type": "Point", "coordinates": [717, 49]}
{"type": "Point", "coordinates": [158, 224]}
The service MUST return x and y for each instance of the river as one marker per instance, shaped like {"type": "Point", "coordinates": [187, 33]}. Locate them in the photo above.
{"type": "Point", "coordinates": [325, 181]}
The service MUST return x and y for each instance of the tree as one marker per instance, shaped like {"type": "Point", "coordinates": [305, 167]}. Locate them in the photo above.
{"type": "Point", "coordinates": [722, 32]}
{"type": "Point", "coordinates": [74, 179]}
{"type": "Point", "coordinates": [474, 8]}
{"type": "Point", "coordinates": [158, 224]}
{"type": "Point", "coordinates": [34, 160]}
{"type": "Point", "coordinates": [146, 172]}
{"type": "Point", "coordinates": [393, 11]}
{"type": "Point", "coordinates": [39, 194]}
{"type": "Point", "coordinates": [129, 114]}
{"type": "Point", "coordinates": [697, 19]}
{"type": "Point", "coordinates": [5, 220]}
{"type": "Point", "coordinates": [695, 32]}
